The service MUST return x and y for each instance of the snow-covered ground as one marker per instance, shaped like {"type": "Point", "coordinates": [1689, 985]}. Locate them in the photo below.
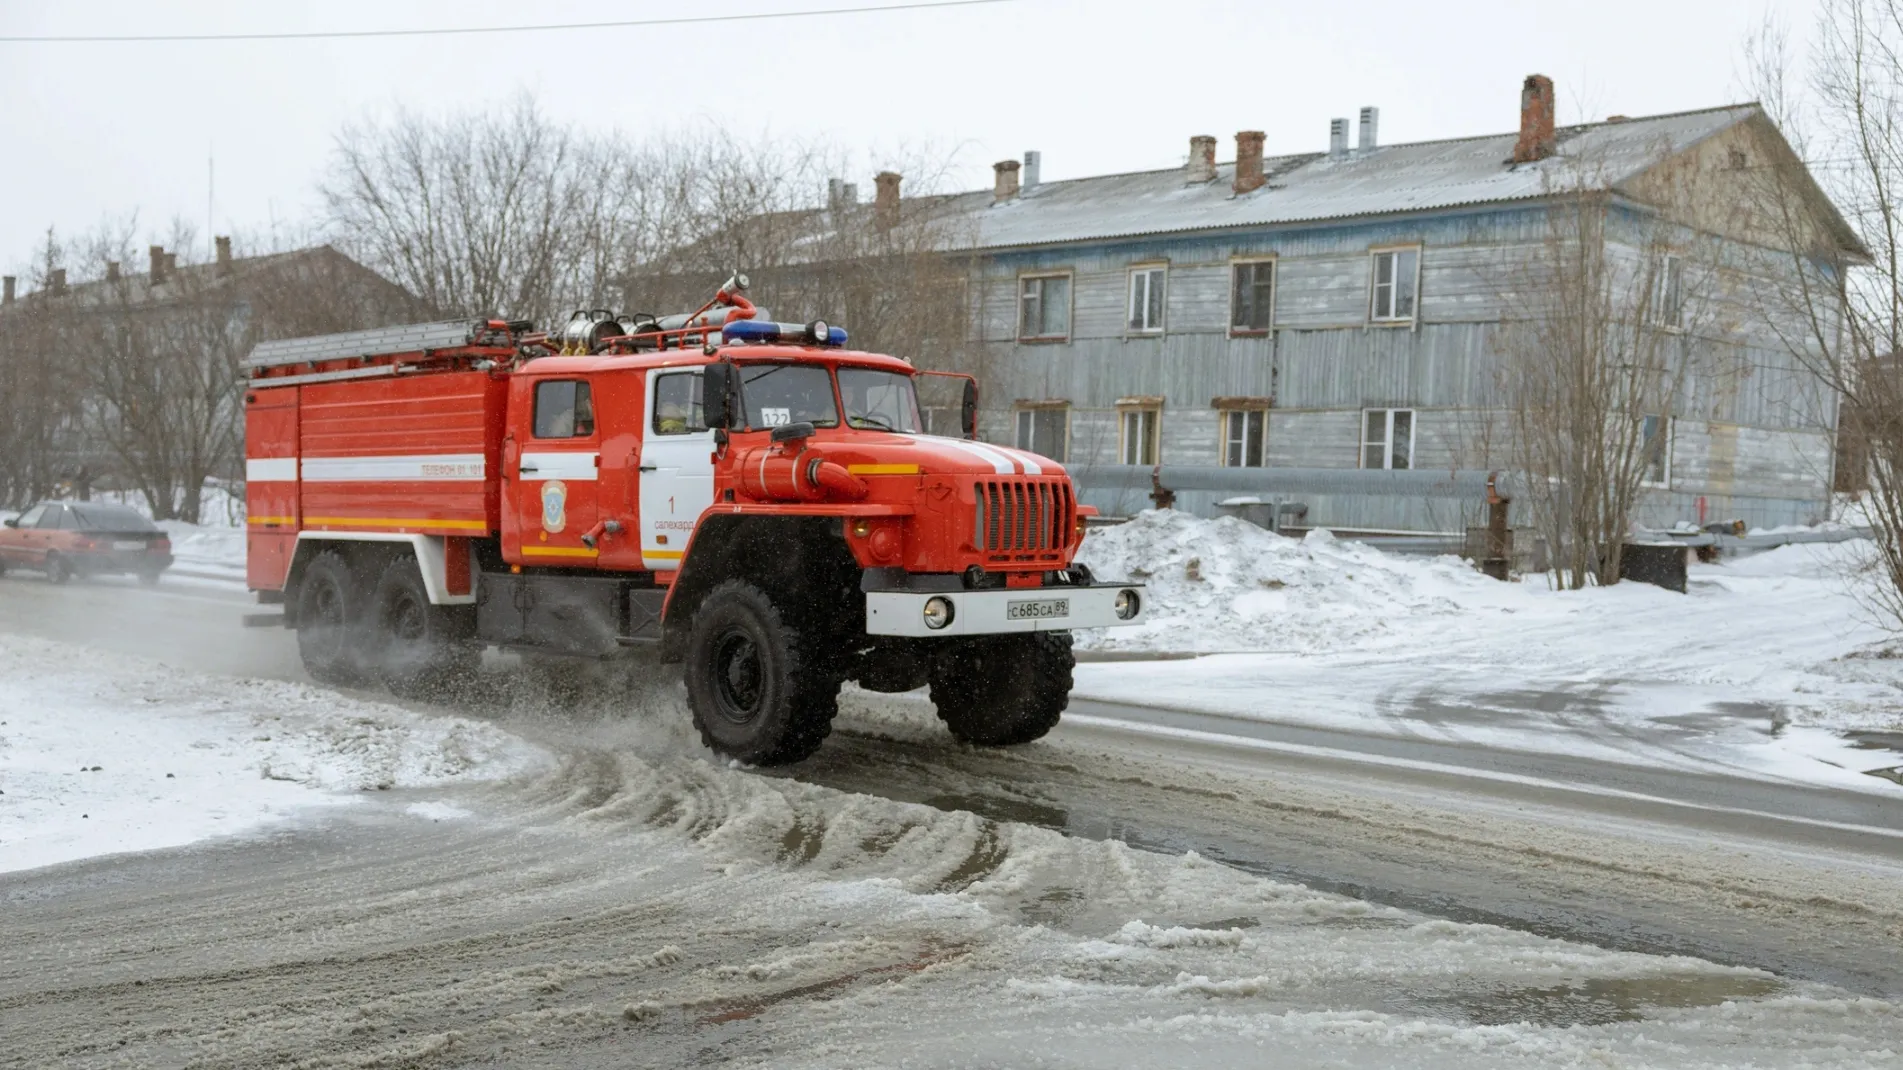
{"type": "Point", "coordinates": [102, 753]}
{"type": "Point", "coordinates": [1762, 665]}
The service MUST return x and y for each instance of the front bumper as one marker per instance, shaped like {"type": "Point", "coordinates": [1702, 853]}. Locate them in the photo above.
{"type": "Point", "coordinates": [1003, 611]}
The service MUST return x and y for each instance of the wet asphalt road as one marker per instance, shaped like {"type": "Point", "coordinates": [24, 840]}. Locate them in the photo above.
{"type": "Point", "coordinates": [1804, 881]}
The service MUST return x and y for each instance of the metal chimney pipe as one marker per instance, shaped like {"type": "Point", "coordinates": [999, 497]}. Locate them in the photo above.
{"type": "Point", "coordinates": [1337, 139]}
{"type": "Point", "coordinates": [1370, 122]}
{"type": "Point", "coordinates": [1033, 167]}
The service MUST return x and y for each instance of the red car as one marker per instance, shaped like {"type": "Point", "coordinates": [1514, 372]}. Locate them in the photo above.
{"type": "Point", "coordinates": [67, 539]}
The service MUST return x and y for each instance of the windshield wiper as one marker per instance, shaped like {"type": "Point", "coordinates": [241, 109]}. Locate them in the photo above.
{"type": "Point", "coordinates": [876, 421]}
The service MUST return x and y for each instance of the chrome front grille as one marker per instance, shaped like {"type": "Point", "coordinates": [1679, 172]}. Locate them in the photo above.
{"type": "Point", "coordinates": [1023, 516]}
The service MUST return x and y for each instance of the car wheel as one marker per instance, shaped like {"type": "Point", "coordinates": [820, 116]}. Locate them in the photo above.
{"type": "Point", "coordinates": [758, 689]}
{"type": "Point", "coordinates": [150, 576]}
{"type": "Point", "coordinates": [57, 570]}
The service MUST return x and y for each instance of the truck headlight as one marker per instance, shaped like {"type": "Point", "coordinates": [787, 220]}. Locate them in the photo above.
{"type": "Point", "coordinates": [938, 612]}
{"type": "Point", "coordinates": [1128, 604]}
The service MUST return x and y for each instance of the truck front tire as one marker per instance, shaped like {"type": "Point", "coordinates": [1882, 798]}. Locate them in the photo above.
{"type": "Point", "coordinates": [422, 648]}
{"type": "Point", "coordinates": [330, 613]}
{"type": "Point", "coordinates": [761, 689]}
{"type": "Point", "coordinates": [1002, 690]}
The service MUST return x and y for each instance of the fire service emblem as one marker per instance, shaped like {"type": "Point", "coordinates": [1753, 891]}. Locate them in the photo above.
{"type": "Point", "coordinates": [554, 505]}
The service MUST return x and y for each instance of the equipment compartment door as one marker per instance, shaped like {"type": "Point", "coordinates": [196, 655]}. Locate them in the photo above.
{"type": "Point", "coordinates": [677, 466]}
{"type": "Point", "coordinates": [557, 463]}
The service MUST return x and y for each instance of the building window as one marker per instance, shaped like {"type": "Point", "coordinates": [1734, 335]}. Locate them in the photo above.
{"type": "Point", "coordinates": [1146, 299]}
{"type": "Point", "coordinates": [1387, 438]}
{"type": "Point", "coordinates": [1252, 296]}
{"type": "Point", "coordinates": [1655, 450]}
{"type": "Point", "coordinates": [1668, 293]}
{"type": "Point", "coordinates": [1045, 430]}
{"type": "Point", "coordinates": [1044, 307]}
{"type": "Point", "coordinates": [1245, 436]}
{"type": "Point", "coordinates": [563, 409]}
{"type": "Point", "coordinates": [1138, 430]}
{"type": "Point", "coordinates": [1396, 276]}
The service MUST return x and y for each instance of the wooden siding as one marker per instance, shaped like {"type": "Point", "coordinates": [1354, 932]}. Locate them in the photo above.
{"type": "Point", "coordinates": [1768, 459]}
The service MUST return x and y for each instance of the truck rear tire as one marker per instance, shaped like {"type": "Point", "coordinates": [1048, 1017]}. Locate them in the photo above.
{"type": "Point", "coordinates": [330, 616]}
{"type": "Point", "coordinates": [1002, 690]}
{"type": "Point", "coordinates": [760, 689]}
{"type": "Point", "coordinates": [422, 649]}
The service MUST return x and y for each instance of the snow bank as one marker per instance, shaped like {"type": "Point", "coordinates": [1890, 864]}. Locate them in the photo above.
{"type": "Point", "coordinates": [1227, 585]}
{"type": "Point", "coordinates": [101, 753]}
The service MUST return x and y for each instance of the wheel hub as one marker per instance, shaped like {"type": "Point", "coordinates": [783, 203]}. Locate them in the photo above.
{"type": "Point", "coordinates": [738, 677]}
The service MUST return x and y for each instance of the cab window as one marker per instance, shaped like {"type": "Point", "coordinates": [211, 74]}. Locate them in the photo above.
{"type": "Point", "coordinates": [563, 409]}
{"type": "Point", "coordinates": [879, 400]}
{"type": "Point", "coordinates": [53, 519]}
{"type": "Point", "coordinates": [677, 404]}
{"type": "Point", "coordinates": [780, 394]}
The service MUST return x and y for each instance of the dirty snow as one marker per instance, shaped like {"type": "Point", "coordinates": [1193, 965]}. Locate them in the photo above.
{"type": "Point", "coordinates": [102, 753]}
{"type": "Point", "coordinates": [1762, 666]}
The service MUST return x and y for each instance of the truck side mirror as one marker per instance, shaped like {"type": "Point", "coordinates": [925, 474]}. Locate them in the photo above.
{"type": "Point", "coordinates": [968, 409]}
{"type": "Point", "coordinates": [716, 394]}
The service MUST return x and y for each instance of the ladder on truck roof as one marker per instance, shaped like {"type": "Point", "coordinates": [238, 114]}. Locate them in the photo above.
{"type": "Point", "coordinates": [375, 342]}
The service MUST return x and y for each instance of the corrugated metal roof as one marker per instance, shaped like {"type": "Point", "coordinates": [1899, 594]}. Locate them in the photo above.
{"type": "Point", "coordinates": [1312, 188]}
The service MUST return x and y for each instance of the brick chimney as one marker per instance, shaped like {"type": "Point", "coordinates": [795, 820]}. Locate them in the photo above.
{"type": "Point", "coordinates": [56, 282]}
{"type": "Point", "coordinates": [1536, 120]}
{"type": "Point", "coordinates": [1202, 160]}
{"type": "Point", "coordinates": [885, 199]}
{"type": "Point", "coordinates": [1004, 183]}
{"type": "Point", "coordinates": [224, 255]}
{"type": "Point", "coordinates": [1249, 161]}
{"type": "Point", "coordinates": [171, 262]}
{"type": "Point", "coordinates": [7, 283]}
{"type": "Point", "coordinates": [112, 271]}
{"type": "Point", "coordinates": [157, 255]}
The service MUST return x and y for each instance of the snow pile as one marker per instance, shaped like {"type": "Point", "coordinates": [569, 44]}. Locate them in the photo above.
{"type": "Point", "coordinates": [1227, 585]}
{"type": "Point", "coordinates": [102, 753]}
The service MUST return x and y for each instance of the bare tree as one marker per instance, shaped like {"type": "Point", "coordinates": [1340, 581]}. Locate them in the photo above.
{"type": "Point", "coordinates": [1832, 285]}
{"type": "Point", "coordinates": [39, 392]}
{"type": "Point", "coordinates": [1596, 364]}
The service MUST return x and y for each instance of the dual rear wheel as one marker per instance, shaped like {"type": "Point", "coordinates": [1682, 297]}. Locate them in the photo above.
{"type": "Point", "coordinates": [355, 628]}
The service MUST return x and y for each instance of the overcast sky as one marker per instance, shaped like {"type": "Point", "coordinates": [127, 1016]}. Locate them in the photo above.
{"type": "Point", "coordinates": [97, 130]}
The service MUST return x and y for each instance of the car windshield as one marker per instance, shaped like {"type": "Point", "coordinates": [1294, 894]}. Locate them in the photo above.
{"type": "Point", "coordinates": [881, 400]}
{"type": "Point", "coordinates": [778, 394]}
{"type": "Point", "coordinates": [96, 517]}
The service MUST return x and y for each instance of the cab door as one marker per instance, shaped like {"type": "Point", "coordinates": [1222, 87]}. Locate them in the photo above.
{"type": "Point", "coordinates": [555, 462]}
{"type": "Point", "coordinates": [677, 466]}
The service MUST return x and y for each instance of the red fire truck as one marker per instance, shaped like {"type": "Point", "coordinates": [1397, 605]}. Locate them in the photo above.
{"type": "Point", "coordinates": [751, 498]}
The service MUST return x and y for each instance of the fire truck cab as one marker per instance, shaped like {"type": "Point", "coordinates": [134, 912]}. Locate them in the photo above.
{"type": "Point", "coordinates": [750, 498]}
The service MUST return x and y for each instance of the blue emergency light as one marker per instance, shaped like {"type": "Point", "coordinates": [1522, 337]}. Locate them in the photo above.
{"type": "Point", "coordinates": [814, 333]}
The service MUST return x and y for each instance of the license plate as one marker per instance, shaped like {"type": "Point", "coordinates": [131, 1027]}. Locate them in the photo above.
{"type": "Point", "coordinates": [128, 545]}
{"type": "Point", "coordinates": [1037, 609]}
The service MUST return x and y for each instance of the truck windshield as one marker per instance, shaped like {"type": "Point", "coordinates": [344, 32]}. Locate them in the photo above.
{"type": "Point", "coordinates": [776, 394]}
{"type": "Point", "coordinates": [884, 401]}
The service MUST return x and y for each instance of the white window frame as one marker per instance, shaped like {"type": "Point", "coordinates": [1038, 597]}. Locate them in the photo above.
{"type": "Point", "coordinates": [1124, 415]}
{"type": "Point", "coordinates": [1026, 416]}
{"type": "Point", "coordinates": [1665, 461]}
{"type": "Point", "coordinates": [1668, 293]}
{"type": "Point", "coordinates": [1158, 276]}
{"type": "Point", "coordinates": [1275, 293]}
{"type": "Point", "coordinates": [1375, 257]}
{"type": "Point", "coordinates": [1070, 304]}
{"type": "Point", "coordinates": [1386, 441]}
{"type": "Point", "coordinates": [1223, 436]}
